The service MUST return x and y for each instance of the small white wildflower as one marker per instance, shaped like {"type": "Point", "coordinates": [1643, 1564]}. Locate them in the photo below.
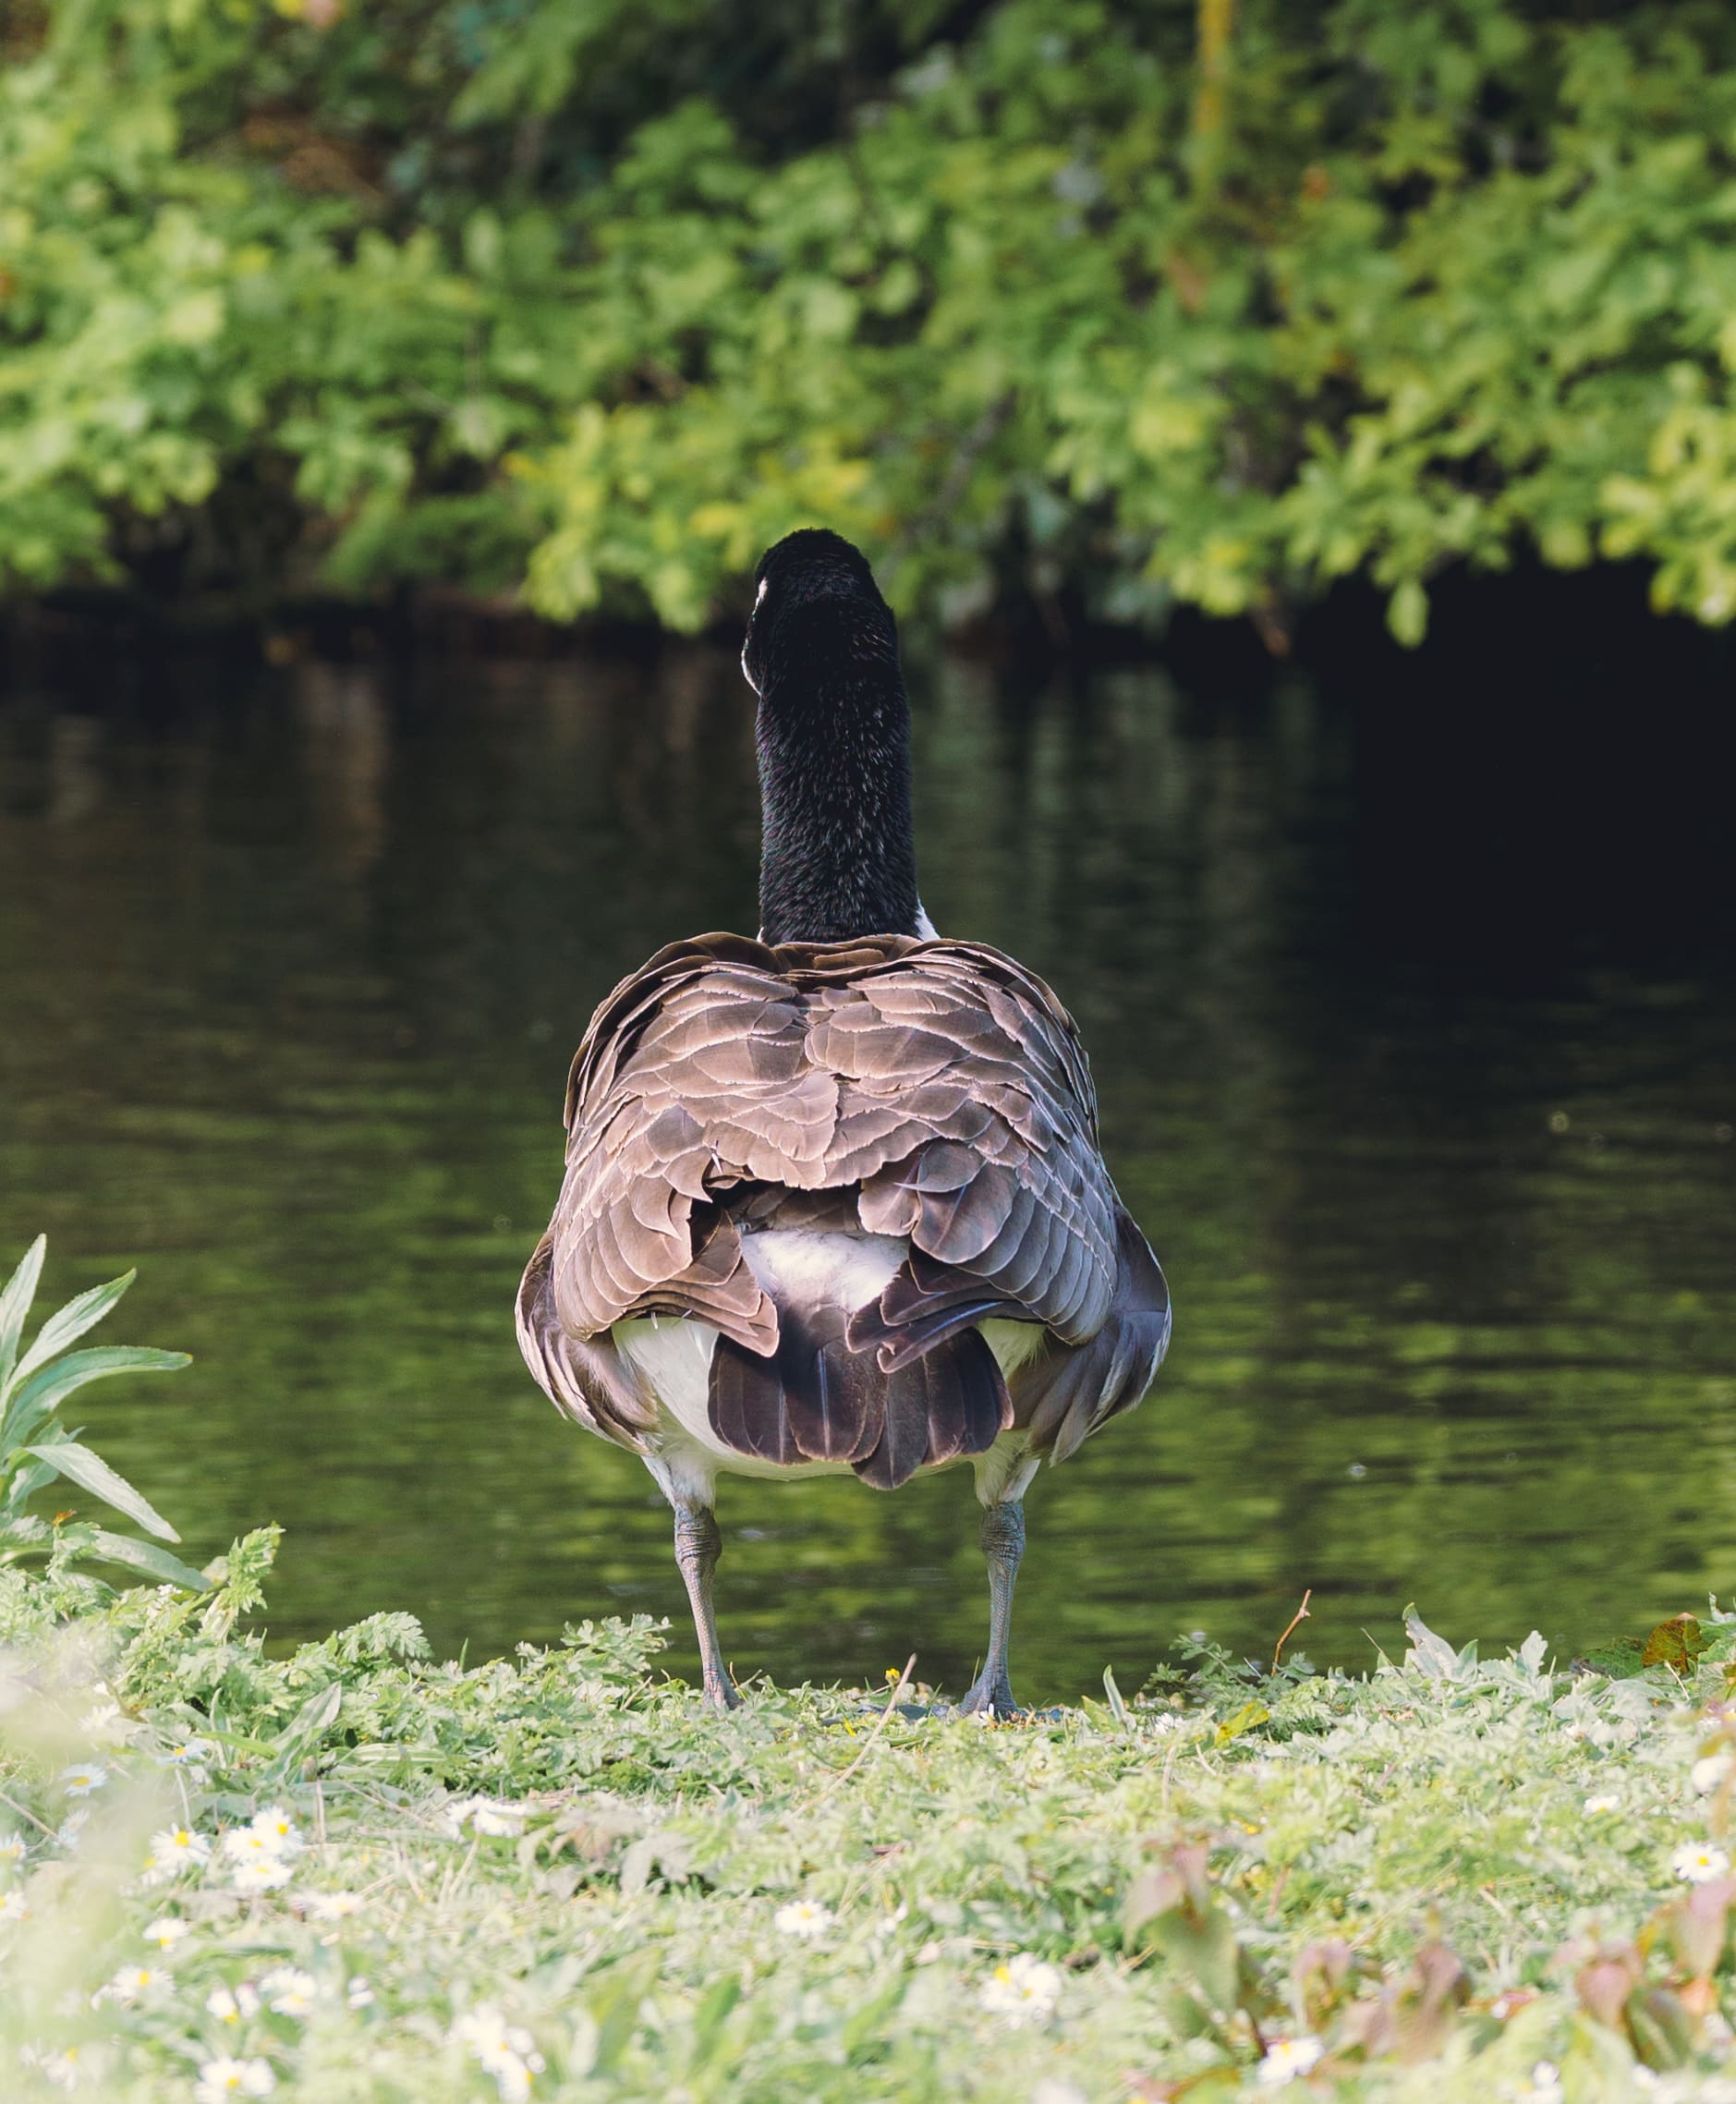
{"type": "Point", "coordinates": [1606, 1801]}
{"type": "Point", "coordinates": [268, 1874]}
{"type": "Point", "coordinates": [61, 2070]}
{"type": "Point", "coordinates": [276, 1831]}
{"type": "Point", "coordinates": [67, 1834]}
{"type": "Point", "coordinates": [132, 1984]}
{"type": "Point", "coordinates": [103, 1720]}
{"type": "Point", "coordinates": [507, 2051]}
{"type": "Point", "coordinates": [288, 1991]}
{"type": "Point", "coordinates": [1546, 2084]}
{"type": "Point", "coordinates": [1022, 1991]}
{"type": "Point", "coordinates": [803, 1917]}
{"type": "Point", "coordinates": [359, 1994]}
{"type": "Point", "coordinates": [12, 1907]}
{"type": "Point", "coordinates": [224, 2077]}
{"type": "Point", "coordinates": [234, 2005]}
{"type": "Point", "coordinates": [173, 1850]}
{"type": "Point", "coordinates": [269, 1837]}
{"type": "Point", "coordinates": [1286, 2058]}
{"type": "Point", "coordinates": [486, 1816]}
{"type": "Point", "coordinates": [83, 1777]}
{"type": "Point", "coordinates": [331, 1906]}
{"type": "Point", "coordinates": [1708, 1774]}
{"type": "Point", "coordinates": [14, 1848]}
{"type": "Point", "coordinates": [166, 1931]}
{"type": "Point", "coordinates": [189, 1753]}
{"type": "Point", "coordinates": [1699, 1862]}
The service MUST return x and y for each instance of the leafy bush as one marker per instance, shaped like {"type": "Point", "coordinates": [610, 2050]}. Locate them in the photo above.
{"type": "Point", "coordinates": [593, 301]}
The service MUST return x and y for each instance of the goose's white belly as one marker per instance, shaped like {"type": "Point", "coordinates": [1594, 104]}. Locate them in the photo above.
{"type": "Point", "coordinates": [798, 1267]}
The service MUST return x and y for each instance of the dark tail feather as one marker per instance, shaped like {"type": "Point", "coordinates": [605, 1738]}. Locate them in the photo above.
{"type": "Point", "coordinates": [953, 1402]}
{"type": "Point", "coordinates": [909, 1319]}
{"type": "Point", "coordinates": [820, 1401]}
{"type": "Point", "coordinates": [812, 1400]}
{"type": "Point", "coordinates": [747, 1405]}
{"type": "Point", "coordinates": [833, 1402]}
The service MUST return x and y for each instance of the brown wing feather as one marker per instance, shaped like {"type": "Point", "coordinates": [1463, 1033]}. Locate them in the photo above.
{"type": "Point", "coordinates": [938, 1081]}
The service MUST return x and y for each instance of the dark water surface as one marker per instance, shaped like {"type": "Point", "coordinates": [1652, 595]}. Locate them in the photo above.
{"type": "Point", "coordinates": [291, 967]}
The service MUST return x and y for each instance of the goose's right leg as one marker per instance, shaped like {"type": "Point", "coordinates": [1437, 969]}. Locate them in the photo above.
{"type": "Point", "coordinates": [1003, 1546]}
{"type": "Point", "coordinates": [699, 1545]}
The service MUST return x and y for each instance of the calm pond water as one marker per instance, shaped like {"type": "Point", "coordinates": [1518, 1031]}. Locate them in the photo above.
{"type": "Point", "coordinates": [292, 965]}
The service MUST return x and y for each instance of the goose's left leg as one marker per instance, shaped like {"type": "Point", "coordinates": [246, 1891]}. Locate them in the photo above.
{"type": "Point", "coordinates": [1002, 1545]}
{"type": "Point", "coordinates": [699, 1545]}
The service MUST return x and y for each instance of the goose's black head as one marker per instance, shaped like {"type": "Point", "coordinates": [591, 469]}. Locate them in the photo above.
{"type": "Point", "coordinates": [837, 858]}
{"type": "Point", "coordinates": [816, 607]}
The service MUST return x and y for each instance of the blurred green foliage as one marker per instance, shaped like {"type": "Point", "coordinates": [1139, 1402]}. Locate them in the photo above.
{"type": "Point", "coordinates": [593, 297]}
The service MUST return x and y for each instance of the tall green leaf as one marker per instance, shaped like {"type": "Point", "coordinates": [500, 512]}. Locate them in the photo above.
{"type": "Point", "coordinates": [70, 1322]}
{"type": "Point", "coordinates": [146, 1557]}
{"type": "Point", "coordinates": [44, 1391]}
{"type": "Point", "coordinates": [91, 1473]}
{"type": "Point", "coordinates": [15, 1305]}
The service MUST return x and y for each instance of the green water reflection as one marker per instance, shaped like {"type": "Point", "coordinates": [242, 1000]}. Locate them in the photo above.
{"type": "Point", "coordinates": [291, 972]}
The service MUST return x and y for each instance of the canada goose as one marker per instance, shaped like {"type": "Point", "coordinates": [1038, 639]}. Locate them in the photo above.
{"type": "Point", "coordinates": [833, 1198]}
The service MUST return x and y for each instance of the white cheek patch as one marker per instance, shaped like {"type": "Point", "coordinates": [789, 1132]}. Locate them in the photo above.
{"type": "Point", "coordinates": [758, 600]}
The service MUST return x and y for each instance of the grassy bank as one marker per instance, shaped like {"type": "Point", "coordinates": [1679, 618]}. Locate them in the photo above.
{"type": "Point", "coordinates": [353, 1873]}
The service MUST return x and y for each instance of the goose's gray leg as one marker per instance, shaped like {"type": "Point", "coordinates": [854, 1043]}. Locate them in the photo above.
{"type": "Point", "coordinates": [1002, 1544]}
{"type": "Point", "coordinates": [699, 1545]}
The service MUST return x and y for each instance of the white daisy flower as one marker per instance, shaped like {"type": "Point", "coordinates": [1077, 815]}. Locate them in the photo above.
{"type": "Point", "coordinates": [265, 1874]}
{"type": "Point", "coordinates": [103, 1720]}
{"type": "Point", "coordinates": [132, 1984]}
{"type": "Point", "coordinates": [331, 1906]}
{"type": "Point", "coordinates": [289, 1991]}
{"type": "Point", "coordinates": [173, 1850]}
{"type": "Point", "coordinates": [1286, 2058]}
{"type": "Point", "coordinates": [189, 1753]}
{"type": "Point", "coordinates": [1022, 1991]}
{"type": "Point", "coordinates": [166, 1931]}
{"type": "Point", "coordinates": [81, 1778]}
{"type": "Point", "coordinates": [223, 2078]}
{"type": "Point", "coordinates": [359, 1994]}
{"type": "Point", "coordinates": [486, 1816]}
{"type": "Point", "coordinates": [1606, 1801]}
{"type": "Point", "coordinates": [507, 2051]}
{"type": "Point", "coordinates": [277, 1831]}
{"type": "Point", "coordinates": [1699, 1862]}
{"type": "Point", "coordinates": [803, 1917]}
{"type": "Point", "coordinates": [67, 1834]}
{"type": "Point", "coordinates": [1546, 2084]}
{"type": "Point", "coordinates": [61, 2070]}
{"type": "Point", "coordinates": [14, 1848]}
{"type": "Point", "coordinates": [234, 2005]}
{"type": "Point", "coordinates": [1709, 1773]}
{"type": "Point", "coordinates": [12, 1907]}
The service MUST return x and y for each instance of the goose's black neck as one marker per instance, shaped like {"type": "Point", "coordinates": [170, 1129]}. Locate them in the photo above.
{"type": "Point", "coordinates": [837, 855]}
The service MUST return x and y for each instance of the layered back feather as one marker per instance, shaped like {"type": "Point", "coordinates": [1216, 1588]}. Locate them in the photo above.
{"type": "Point", "coordinates": [931, 1091]}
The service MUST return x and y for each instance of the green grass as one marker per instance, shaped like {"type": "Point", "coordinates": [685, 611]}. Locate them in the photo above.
{"type": "Point", "coordinates": [1456, 1876]}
